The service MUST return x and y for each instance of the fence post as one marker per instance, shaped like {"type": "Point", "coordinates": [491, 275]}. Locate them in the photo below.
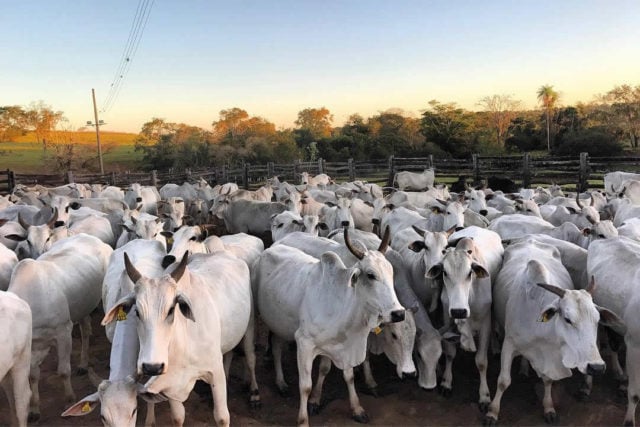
{"type": "Point", "coordinates": [70, 177]}
{"type": "Point", "coordinates": [476, 168]}
{"type": "Point", "coordinates": [187, 173]}
{"type": "Point", "coordinates": [11, 181]}
{"type": "Point", "coordinates": [583, 183]}
{"type": "Point", "coordinates": [296, 168]}
{"type": "Point", "coordinates": [154, 178]}
{"type": "Point", "coordinates": [245, 176]}
{"type": "Point", "coordinates": [113, 178]}
{"type": "Point", "coordinates": [526, 172]}
{"type": "Point", "coordinates": [320, 165]}
{"type": "Point", "coordinates": [431, 166]}
{"type": "Point", "coordinates": [391, 172]}
{"type": "Point", "coordinates": [352, 170]}
{"type": "Point", "coordinates": [270, 170]}
{"type": "Point", "coordinates": [223, 174]}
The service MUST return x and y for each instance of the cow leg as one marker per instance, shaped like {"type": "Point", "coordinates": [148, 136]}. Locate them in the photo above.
{"type": "Point", "coordinates": [177, 413]}
{"type": "Point", "coordinates": [63, 346]}
{"type": "Point", "coordinates": [276, 344]}
{"type": "Point", "coordinates": [85, 335]}
{"type": "Point", "coordinates": [226, 361]}
{"type": "Point", "coordinates": [504, 380]}
{"type": "Point", "coordinates": [305, 358]}
{"type": "Point", "coordinates": [150, 418]}
{"type": "Point", "coordinates": [316, 393]}
{"type": "Point", "coordinates": [20, 383]}
{"type": "Point", "coordinates": [481, 363]}
{"type": "Point", "coordinates": [7, 386]}
{"type": "Point", "coordinates": [547, 402]}
{"type": "Point", "coordinates": [368, 376]}
{"type": "Point", "coordinates": [248, 342]}
{"type": "Point", "coordinates": [357, 411]}
{"type": "Point", "coordinates": [38, 354]}
{"type": "Point", "coordinates": [447, 377]}
{"type": "Point", "coordinates": [633, 389]}
{"type": "Point", "coordinates": [218, 383]}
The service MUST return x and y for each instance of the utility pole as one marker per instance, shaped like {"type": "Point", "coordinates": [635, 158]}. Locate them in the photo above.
{"type": "Point", "coordinates": [97, 125]}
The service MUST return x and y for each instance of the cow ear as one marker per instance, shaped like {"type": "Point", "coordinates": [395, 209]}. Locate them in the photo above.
{"type": "Point", "coordinates": [610, 319]}
{"type": "Point", "coordinates": [15, 237]}
{"type": "Point", "coordinates": [323, 226]}
{"type": "Point", "coordinates": [368, 204]}
{"type": "Point", "coordinates": [353, 279]}
{"type": "Point", "coordinates": [572, 210]}
{"type": "Point", "coordinates": [126, 228]}
{"type": "Point", "coordinates": [479, 270]}
{"type": "Point", "coordinates": [548, 314]}
{"type": "Point", "coordinates": [417, 246]}
{"type": "Point", "coordinates": [83, 407]}
{"type": "Point", "coordinates": [435, 271]}
{"type": "Point", "coordinates": [121, 307]}
{"type": "Point", "coordinates": [185, 307]}
{"type": "Point", "coordinates": [586, 231]}
{"type": "Point", "coordinates": [330, 204]}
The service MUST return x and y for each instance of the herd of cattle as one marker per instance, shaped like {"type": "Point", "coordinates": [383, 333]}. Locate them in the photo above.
{"type": "Point", "coordinates": [184, 273]}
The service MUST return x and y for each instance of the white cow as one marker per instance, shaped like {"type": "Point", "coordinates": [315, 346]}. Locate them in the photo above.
{"type": "Point", "coordinates": [414, 181]}
{"type": "Point", "coordinates": [186, 321]}
{"type": "Point", "coordinates": [8, 261]}
{"type": "Point", "coordinates": [315, 301]}
{"type": "Point", "coordinates": [545, 320]}
{"type": "Point", "coordinates": [142, 198]}
{"type": "Point", "coordinates": [613, 181]}
{"type": "Point", "coordinates": [15, 356]}
{"type": "Point", "coordinates": [614, 265]}
{"type": "Point", "coordinates": [62, 287]}
{"type": "Point", "coordinates": [320, 180]}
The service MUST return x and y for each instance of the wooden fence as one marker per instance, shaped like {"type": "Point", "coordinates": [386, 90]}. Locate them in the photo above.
{"type": "Point", "coordinates": [581, 172]}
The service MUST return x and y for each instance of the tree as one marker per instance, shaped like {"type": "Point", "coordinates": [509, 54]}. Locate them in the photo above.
{"type": "Point", "coordinates": [236, 126]}
{"type": "Point", "coordinates": [501, 110]}
{"type": "Point", "coordinates": [548, 98]}
{"type": "Point", "coordinates": [12, 122]}
{"type": "Point", "coordinates": [41, 119]}
{"type": "Point", "coordinates": [448, 126]}
{"type": "Point", "coordinates": [317, 121]}
{"type": "Point", "coordinates": [625, 106]}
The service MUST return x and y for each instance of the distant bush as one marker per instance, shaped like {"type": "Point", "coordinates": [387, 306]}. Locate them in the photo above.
{"type": "Point", "coordinates": [595, 141]}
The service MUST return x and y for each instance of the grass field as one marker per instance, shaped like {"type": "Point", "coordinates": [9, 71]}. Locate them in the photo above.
{"type": "Point", "coordinates": [26, 156]}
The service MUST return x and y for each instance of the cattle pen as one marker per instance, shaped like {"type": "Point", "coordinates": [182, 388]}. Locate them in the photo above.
{"type": "Point", "coordinates": [525, 170]}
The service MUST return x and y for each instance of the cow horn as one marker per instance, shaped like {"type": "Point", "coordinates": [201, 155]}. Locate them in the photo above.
{"type": "Point", "coordinates": [133, 274]}
{"type": "Point", "coordinates": [578, 200]}
{"type": "Point", "coordinates": [386, 238]}
{"type": "Point", "coordinates": [179, 271]}
{"type": "Point", "coordinates": [592, 285]}
{"type": "Point", "coordinates": [418, 230]}
{"type": "Point", "coordinates": [553, 289]}
{"type": "Point", "coordinates": [593, 201]}
{"type": "Point", "coordinates": [53, 219]}
{"type": "Point", "coordinates": [24, 224]}
{"type": "Point", "coordinates": [356, 252]}
{"type": "Point", "coordinates": [451, 231]}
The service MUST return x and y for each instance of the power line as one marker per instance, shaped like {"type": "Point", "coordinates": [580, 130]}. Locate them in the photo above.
{"type": "Point", "coordinates": [133, 42]}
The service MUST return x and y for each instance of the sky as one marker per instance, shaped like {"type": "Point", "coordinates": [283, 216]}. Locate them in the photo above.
{"type": "Point", "coordinates": [274, 58]}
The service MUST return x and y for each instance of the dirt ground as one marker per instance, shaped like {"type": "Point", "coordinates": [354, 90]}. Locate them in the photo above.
{"type": "Point", "coordinates": [400, 403]}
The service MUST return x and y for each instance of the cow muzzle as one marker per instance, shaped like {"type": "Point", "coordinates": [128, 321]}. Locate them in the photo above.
{"type": "Point", "coordinates": [459, 313]}
{"type": "Point", "coordinates": [138, 199]}
{"type": "Point", "coordinates": [345, 223]}
{"type": "Point", "coordinates": [153, 368]}
{"type": "Point", "coordinates": [375, 221]}
{"type": "Point", "coordinates": [408, 375]}
{"type": "Point", "coordinates": [397, 316]}
{"type": "Point", "coordinates": [595, 369]}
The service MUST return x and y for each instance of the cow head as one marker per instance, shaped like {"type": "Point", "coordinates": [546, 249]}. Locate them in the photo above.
{"type": "Point", "coordinates": [185, 239]}
{"type": "Point", "coordinates": [39, 238]}
{"type": "Point", "coordinates": [431, 245]}
{"type": "Point", "coordinates": [285, 223]}
{"type": "Point", "coordinates": [573, 318]}
{"type": "Point", "coordinates": [159, 305]}
{"type": "Point", "coordinates": [397, 340]}
{"type": "Point", "coordinates": [457, 270]}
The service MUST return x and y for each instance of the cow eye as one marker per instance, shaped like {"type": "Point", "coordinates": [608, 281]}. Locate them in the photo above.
{"type": "Point", "coordinates": [138, 314]}
{"type": "Point", "coordinates": [566, 319]}
{"type": "Point", "coordinates": [193, 239]}
{"type": "Point", "coordinates": [601, 236]}
{"type": "Point", "coordinates": [371, 276]}
{"type": "Point", "coordinates": [394, 336]}
{"type": "Point", "coordinates": [280, 225]}
{"type": "Point", "coordinates": [444, 273]}
{"type": "Point", "coordinates": [134, 412]}
{"type": "Point", "coordinates": [171, 311]}
{"type": "Point", "coordinates": [444, 251]}
{"type": "Point", "coordinates": [104, 420]}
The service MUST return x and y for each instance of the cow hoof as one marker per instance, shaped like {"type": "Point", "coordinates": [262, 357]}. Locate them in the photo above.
{"type": "Point", "coordinates": [284, 391]}
{"type": "Point", "coordinates": [313, 408]}
{"type": "Point", "coordinates": [550, 417]}
{"type": "Point", "coordinates": [81, 372]}
{"type": "Point", "coordinates": [429, 390]}
{"type": "Point", "coordinates": [372, 391]}
{"type": "Point", "coordinates": [255, 403]}
{"type": "Point", "coordinates": [489, 420]}
{"type": "Point", "coordinates": [628, 423]}
{"type": "Point", "coordinates": [362, 418]}
{"type": "Point", "coordinates": [484, 407]}
{"type": "Point", "coordinates": [33, 417]}
{"type": "Point", "coordinates": [444, 391]}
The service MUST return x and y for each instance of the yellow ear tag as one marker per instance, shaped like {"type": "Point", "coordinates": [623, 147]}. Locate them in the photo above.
{"type": "Point", "coordinates": [86, 407]}
{"type": "Point", "coordinates": [121, 314]}
{"type": "Point", "coordinates": [377, 330]}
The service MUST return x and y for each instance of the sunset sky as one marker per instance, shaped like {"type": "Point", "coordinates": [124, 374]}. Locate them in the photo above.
{"type": "Point", "coordinates": [275, 58]}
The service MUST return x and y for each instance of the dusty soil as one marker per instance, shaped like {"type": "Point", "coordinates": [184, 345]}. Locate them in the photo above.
{"type": "Point", "coordinates": [400, 403]}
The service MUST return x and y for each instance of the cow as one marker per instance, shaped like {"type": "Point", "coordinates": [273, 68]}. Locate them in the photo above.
{"type": "Point", "coordinates": [144, 226]}
{"type": "Point", "coordinates": [142, 198]}
{"type": "Point", "coordinates": [8, 261]}
{"type": "Point", "coordinates": [414, 181]}
{"type": "Point", "coordinates": [173, 210]}
{"type": "Point", "coordinates": [186, 192]}
{"type": "Point", "coordinates": [544, 319]}
{"type": "Point", "coordinates": [337, 215]}
{"type": "Point", "coordinates": [15, 357]}
{"type": "Point", "coordinates": [320, 180]}
{"type": "Point", "coordinates": [518, 225]}
{"type": "Point", "coordinates": [203, 305]}
{"type": "Point", "coordinates": [252, 217]}
{"type": "Point", "coordinates": [13, 229]}
{"type": "Point", "coordinates": [288, 222]}
{"type": "Point", "coordinates": [314, 301]}
{"type": "Point", "coordinates": [613, 263]}
{"type": "Point", "coordinates": [62, 287]}
{"type": "Point", "coordinates": [613, 181]}
{"type": "Point", "coordinates": [466, 273]}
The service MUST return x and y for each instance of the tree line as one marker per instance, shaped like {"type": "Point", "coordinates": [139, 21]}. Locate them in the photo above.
{"type": "Point", "coordinates": [608, 125]}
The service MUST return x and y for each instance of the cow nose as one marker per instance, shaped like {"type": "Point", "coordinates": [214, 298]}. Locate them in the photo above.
{"type": "Point", "coordinates": [138, 199]}
{"type": "Point", "coordinates": [168, 260]}
{"type": "Point", "coordinates": [375, 221]}
{"type": "Point", "coordinates": [406, 375]}
{"type": "Point", "coordinates": [596, 368]}
{"type": "Point", "coordinates": [397, 316]}
{"type": "Point", "coordinates": [459, 313]}
{"type": "Point", "coordinates": [345, 223]}
{"type": "Point", "coordinates": [483, 212]}
{"type": "Point", "coordinates": [58, 224]}
{"type": "Point", "coordinates": [152, 368]}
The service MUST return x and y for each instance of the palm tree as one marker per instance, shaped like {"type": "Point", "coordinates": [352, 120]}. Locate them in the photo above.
{"type": "Point", "coordinates": [548, 97]}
